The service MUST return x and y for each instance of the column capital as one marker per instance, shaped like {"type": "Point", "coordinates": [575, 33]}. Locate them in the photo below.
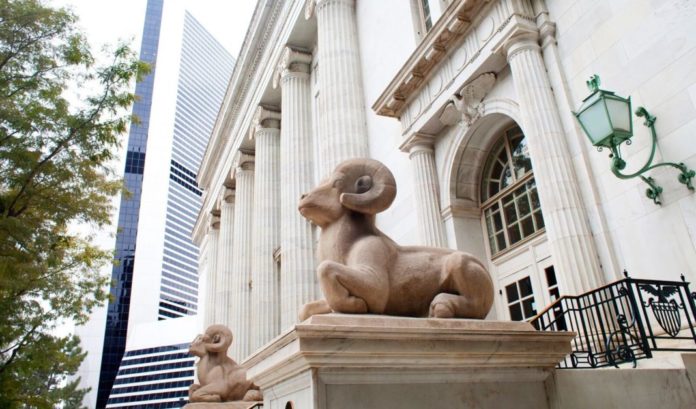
{"type": "Point", "coordinates": [213, 222]}
{"type": "Point", "coordinates": [418, 142]}
{"type": "Point", "coordinates": [264, 118]}
{"type": "Point", "coordinates": [312, 5]}
{"type": "Point", "coordinates": [292, 63]}
{"type": "Point", "coordinates": [523, 35]}
{"type": "Point", "coordinates": [227, 195]}
{"type": "Point", "coordinates": [243, 160]}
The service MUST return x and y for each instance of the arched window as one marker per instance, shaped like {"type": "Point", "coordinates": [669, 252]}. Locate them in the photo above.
{"type": "Point", "coordinates": [508, 193]}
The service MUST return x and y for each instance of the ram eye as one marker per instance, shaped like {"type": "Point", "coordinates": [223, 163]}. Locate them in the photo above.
{"type": "Point", "coordinates": [363, 184]}
{"type": "Point", "coordinates": [338, 183]}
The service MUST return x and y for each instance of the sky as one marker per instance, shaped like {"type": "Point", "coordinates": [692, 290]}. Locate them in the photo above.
{"type": "Point", "coordinates": [107, 21]}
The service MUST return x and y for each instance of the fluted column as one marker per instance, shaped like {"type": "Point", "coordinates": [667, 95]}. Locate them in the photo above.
{"type": "Point", "coordinates": [427, 190]}
{"type": "Point", "coordinates": [568, 232]}
{"type": "Point", "coordinates": [340, 83]}
{"type": "Point", "coordinates": [211, 270]}
{"type": "Point", "coordinates": [298, 284]}
{"type": "Point", "coordinates": [241, 262]}
{"type": "Point", "coordinates": [265, 295]}
{"type": "Point", "coordinates": [223, 281]}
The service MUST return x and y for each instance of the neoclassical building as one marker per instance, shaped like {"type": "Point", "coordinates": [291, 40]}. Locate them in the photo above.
{"type": "Point", "coordinates": [470, 104]}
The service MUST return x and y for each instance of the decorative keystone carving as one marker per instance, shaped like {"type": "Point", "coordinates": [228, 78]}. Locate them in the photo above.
{"type": "Point", "coordinates": [467, 105]}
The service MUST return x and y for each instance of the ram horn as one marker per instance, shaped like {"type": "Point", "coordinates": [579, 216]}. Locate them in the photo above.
{"type": "Point", "coordinates": [221, 337]}
{"type": "Point", "coordinates": [376, 178]}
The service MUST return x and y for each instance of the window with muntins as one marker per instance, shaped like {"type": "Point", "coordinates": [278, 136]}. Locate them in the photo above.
{"type": "Point", "coordinates": [509, 196]}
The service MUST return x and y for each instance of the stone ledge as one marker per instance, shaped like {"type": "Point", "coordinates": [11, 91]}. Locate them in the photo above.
{"type": "Point", "coordinates": [222, 405]}
{"type": "Point", "coordinates": [385, 344]}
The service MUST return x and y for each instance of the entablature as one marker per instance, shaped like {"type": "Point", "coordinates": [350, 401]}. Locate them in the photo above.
{"type": "Point", "coordinates": [467, 43]}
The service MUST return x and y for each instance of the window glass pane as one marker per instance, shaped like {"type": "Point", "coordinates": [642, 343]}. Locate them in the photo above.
{"type": "Point", "coordinates": [514, 234]}
{"type": "Point", "coordinates": [500, 238]}
{"type": "Point", "coordinates": [511, 291]}
{"type": "Point", "coordinates": [515, 312]}
{"type": "Point", "coordinates": [520, 155]}
{"type": "Point", "coordinates": [497, 221]}
{"type": "Point", "coordinates": [510, 212]}
{"type": "Point", "coordinates": [525, 286]}
{"type": "Point", "coordinates": [527, 226]}
{"type": "Point", "coordinates": [528, 306]}
{"type": "Point", "coordinates": [506, 177]}
{"type": "Point", "coordinates": [550, 276]}
{"type": "Point", "coordinates": [539, 219]}
{"type": "Point", "coordinates": [523, 205]}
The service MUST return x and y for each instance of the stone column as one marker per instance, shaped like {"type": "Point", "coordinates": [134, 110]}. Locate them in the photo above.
{"type": "Point", "coordinates": [241, 262]}
{"type": "Point", "coordinates": [223, 281]}
{"type": "Point", "coordinates": [568, 232]}
{"type": "Point", "coordinates": [265, 295]}
{"type": "Point", "coordinates": [427, 190]}
{"type": "Point", "coordinates": [340, 83]}
{"type": "Point", "coordinates": [298, 284]}
{"type": "Point", "coordinates": [211, 270]}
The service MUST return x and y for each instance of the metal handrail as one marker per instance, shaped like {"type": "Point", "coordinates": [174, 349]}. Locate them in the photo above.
{"type": "Point", "coordinates": [623, 321]}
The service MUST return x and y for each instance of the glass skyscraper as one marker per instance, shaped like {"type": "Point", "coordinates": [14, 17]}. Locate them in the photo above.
{"type": "Point", "coordinates": [164, 149]}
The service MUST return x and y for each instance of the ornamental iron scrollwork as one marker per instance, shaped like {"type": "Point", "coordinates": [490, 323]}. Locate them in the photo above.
{"type": "Point", "coordinates": [623, 351]}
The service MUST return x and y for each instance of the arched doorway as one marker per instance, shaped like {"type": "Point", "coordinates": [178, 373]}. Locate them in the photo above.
{"type": "Point", "coordinates": [495, 180]}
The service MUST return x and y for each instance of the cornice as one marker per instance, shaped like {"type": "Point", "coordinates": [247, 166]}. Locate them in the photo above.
{"type": "Point", "coordinates": [263, 23]}
{"type": "Point", "coordinates": [435, 46]}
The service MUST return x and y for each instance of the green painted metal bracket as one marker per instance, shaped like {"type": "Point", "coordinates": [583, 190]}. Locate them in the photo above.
{"type": "Point", "coordinates": [654, 190]}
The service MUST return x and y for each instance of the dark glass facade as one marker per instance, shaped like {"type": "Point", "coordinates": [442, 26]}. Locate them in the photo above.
{"type": "Point", "coordinates": [165, 374]}
{"type": "Point", "coordinates": [122, 273]}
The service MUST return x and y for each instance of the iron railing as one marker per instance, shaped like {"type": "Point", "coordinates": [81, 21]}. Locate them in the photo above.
{"type": "Point", "coordinates": [624, 321]}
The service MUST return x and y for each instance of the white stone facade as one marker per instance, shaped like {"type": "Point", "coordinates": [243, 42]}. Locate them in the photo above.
{"type": "Point", "coordinates": [350, 78]}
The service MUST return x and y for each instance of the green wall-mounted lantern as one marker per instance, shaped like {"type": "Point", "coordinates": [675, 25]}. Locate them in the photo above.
{"type": "Point", "coordinates": [606, 119]}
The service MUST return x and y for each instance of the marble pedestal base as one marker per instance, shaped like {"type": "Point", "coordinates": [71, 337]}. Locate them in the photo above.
{"type": "Point", "coordinates": [221, 405]}
{"type": "Point", "coordinates": [359, 361]}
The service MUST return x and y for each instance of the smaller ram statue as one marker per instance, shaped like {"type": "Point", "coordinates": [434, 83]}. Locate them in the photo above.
{"type": "Point", "coordinates": [361, 270]}
{"type": "Point", "coordinates": [221, 379]}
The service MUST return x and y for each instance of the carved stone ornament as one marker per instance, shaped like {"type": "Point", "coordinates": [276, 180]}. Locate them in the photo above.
{"type": "Point", "coordinates": [220, 378]}
{"type": "Point", "coordinates": [467, 105]}
{"type": "Point", "coordinates": [362, 271]}
{"type": "Point", "coordinates": [291, 61]}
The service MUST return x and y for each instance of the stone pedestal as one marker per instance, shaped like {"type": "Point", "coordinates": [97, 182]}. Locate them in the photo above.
{"type": "Point", "coordinates": [362, 361]}
{"type": "Point", "coordinates": [224, 405]}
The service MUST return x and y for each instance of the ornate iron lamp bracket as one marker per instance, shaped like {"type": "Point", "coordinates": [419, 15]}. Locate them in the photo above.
{"type": "Point", "coordinates": [654, 190]}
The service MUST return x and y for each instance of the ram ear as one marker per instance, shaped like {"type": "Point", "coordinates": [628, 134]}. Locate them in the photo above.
{"type": "Point", "coordinates": [375, 188]}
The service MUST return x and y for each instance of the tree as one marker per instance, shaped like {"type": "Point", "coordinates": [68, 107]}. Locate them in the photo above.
{"type": "Point", "coordinates": [55, 149]}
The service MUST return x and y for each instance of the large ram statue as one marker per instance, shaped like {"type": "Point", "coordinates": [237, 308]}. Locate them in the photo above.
{"type": "Point", "coordinates": [221, 379]}
{"type": "Point", "coordinates": [361, 270]}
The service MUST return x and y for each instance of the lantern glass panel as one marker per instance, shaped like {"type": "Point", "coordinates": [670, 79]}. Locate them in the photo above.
{"type": "Point", "coordinates": [596, 122]}
{"type": "Point", "coordinates": [619, 111]}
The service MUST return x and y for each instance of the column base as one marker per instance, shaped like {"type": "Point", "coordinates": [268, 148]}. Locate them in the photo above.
{"type": "Point", "coordinates": [367, 361]}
